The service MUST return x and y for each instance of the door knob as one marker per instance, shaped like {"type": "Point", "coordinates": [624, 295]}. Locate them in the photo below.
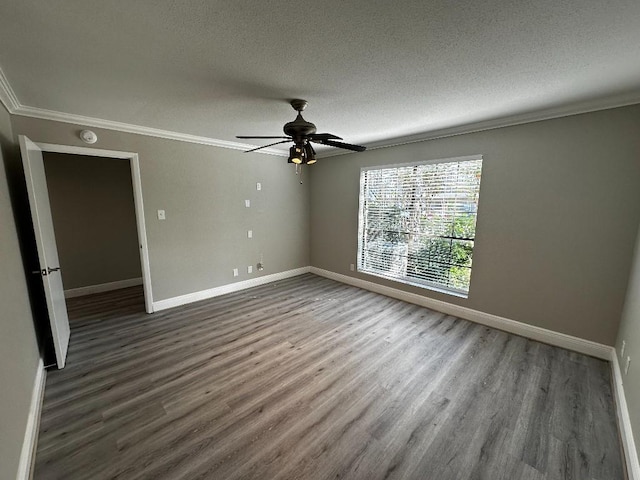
{"type": "Point", "coordinates": [46, 271]}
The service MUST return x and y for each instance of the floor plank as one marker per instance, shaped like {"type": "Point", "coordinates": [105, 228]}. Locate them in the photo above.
{"type": "Point", "coordinates": [308, 378]}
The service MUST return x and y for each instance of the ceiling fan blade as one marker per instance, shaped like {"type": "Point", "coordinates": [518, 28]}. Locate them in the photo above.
{"type": "Point", "coordinates": [324, 136]}
{"type": "Point", "coordinates": [244, 136]}
{"type": "Point", "coordinates": [347, 146]}
{"type": "Point", "coordinates": [265, 146]}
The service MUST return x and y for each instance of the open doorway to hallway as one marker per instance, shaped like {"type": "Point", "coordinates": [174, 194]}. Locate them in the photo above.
{"type": "Point", "coordinates": [92, 206]}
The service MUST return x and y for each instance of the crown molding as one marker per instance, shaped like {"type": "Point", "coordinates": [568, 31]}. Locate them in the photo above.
{"type": "Point", "coordinates": [7, 95]}
{"type": "Point", "coordinates": [82, 120]}
{"type": "Point", "coordinates": [10, 100]}
{"type": "Point", "coordinates": [594, 105]}
{"type": "Point", "coordinates": [606, 103]}
{"type": "Point", "coordinates": [14, 107]}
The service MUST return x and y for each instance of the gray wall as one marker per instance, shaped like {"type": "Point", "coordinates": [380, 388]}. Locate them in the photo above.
{"type": "Point", "coordinates": [94, 218]}
{"type": "Point", "coordinates": [18, 344]}
{"type": "Point", "coordinates": [630, 333]}
{"type": "Point", "coordinates": [557, 219]}
{"type": "Point", "coordinates": [203, 189]}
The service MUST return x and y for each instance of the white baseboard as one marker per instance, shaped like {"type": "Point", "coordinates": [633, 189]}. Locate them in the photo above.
{"type": "Point", "coordinates": [624, 421]}
{"type": "Point", "coordinates": [224, 289]}
{"type": "Point", "coordinates": [102, 287]}
{"type": "Point", "coordinates": [33, 422]}
{"type": "Point", "coordinates": [569, 342]}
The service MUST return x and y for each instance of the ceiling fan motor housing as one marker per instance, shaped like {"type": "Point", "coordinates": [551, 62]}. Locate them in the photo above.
{"type": "Point", "coordinates": [299, 128]}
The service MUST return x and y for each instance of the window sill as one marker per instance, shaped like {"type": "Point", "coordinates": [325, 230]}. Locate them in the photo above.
{"type": "Point", "coordinates": [425, 286]}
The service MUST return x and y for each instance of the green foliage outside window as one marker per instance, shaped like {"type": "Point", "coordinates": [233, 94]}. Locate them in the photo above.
{"type": "Point", "coordinates": [446, 260]}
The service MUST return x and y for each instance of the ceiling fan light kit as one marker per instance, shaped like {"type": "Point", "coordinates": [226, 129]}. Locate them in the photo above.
{"type": "Point", "coordinates": [295, 155]}
{"type": "Point", "coordinates": [302, 134]}
{"type": "Point", "coordinates": [310, 154]}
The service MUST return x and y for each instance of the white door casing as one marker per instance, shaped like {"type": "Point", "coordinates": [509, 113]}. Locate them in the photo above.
{"type": "Point", "coordinates": [134, 163]}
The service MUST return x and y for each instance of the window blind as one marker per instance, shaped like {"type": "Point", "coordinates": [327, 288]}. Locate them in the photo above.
{"type": "Point", "coordinates": [417, 222]}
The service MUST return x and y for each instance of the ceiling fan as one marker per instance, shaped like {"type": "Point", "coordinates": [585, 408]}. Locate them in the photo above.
{"type": "Point", "coordinates": [303, 134]}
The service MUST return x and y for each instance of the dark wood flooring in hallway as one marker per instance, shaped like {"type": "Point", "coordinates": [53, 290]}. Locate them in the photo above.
{"type": "Point", "coordinates": [307, 378]}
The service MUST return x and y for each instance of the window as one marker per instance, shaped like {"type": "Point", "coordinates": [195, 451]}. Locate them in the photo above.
{"type": "Point", "coordinates": [418, 222]}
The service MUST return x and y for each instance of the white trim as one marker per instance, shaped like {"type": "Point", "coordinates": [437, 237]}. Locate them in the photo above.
{"type": "Point", "coordinates": [136, 181]}
{"type": "Point", "coordinates": [7, 95]}
{"type": "Point", "coordinates": [465, 158]}
{"type": "Point", "coordinates": [33, 423]}
{"type": "Point", "coordinates": [224, 289]}
{"type": "Point", "coordinates": [89, 151]}
{"type": "Point", "coordinates": [624, 421]}
{"type": "Point", "coordinates": [56, 116]}
{"type": "Point", "coordinates": [569, 342]}
{"type": "Point", "coordinates": [596, 105]}
{"type": "Point", "coordinates": [406, 280]}
{"type": "Point", "coordinates": [102, 287]}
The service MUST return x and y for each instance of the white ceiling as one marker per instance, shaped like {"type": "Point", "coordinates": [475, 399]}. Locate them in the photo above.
{"type": "Point", "coordinates": [373, 72]}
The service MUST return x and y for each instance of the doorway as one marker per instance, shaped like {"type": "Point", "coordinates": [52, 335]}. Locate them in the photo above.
{"type": "Point", "coordinates": [74, 273]}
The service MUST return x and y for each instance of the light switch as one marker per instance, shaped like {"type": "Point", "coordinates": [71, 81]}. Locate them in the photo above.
{"type": "Point", "coordinates": [247, 203]}
{"type": "Point", "coordinates": [235, 272]}
{"type": "Point", "coordinates": [258, 186]}
{"type": "Point", "coordinates": [250, 269]}
{"type": "Point", "coordinates": [250, 234]}
{"type": "Point", "coordinates": [161, 215]}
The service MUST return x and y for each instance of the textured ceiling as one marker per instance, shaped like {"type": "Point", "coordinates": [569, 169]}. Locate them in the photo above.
{"type": "Point", "coordinates": [373, 72]}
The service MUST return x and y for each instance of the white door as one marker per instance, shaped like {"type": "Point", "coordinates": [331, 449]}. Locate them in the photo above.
{"type": "Point", "coordinates": [46, 244]}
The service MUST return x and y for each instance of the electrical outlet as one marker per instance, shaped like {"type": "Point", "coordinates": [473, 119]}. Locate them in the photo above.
{"type": "Point", "coordinates": [235, 272]}
{"type": "Point", "coordinates": [352, 267]}
{"type": "Point", "coordinates": [250, 269]}
{"type": "Point", "coordinates": [161, 215]}
{"type": "Point", "coordinates": [250, 234]}
{"type": "Point", "coordinates": [258, 186]}
{"type": "Point", "coordinates": [626, 366]}
{"type": "Point", "coordinates": [624, 344]}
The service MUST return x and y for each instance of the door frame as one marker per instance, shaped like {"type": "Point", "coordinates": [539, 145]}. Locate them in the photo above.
{"type": "Point", "coordinates": [136, 181]}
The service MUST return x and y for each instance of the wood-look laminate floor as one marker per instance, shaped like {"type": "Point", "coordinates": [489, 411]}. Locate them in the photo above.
{"type": "Point", "coordinates": [311, 379]}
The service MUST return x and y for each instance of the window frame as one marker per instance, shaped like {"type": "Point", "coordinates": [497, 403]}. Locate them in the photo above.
{"type": "Point", "coordinates": [361, 223]}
